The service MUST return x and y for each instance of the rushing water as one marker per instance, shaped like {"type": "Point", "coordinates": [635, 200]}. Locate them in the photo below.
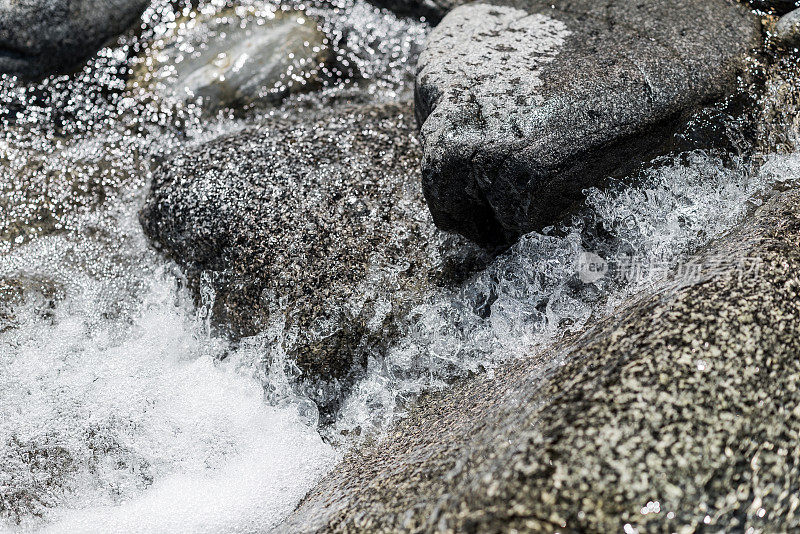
{"type": "Point", "coordinates": [121, 412]}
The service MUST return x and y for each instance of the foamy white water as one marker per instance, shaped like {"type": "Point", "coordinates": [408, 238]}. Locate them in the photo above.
{"type": "Point", "coordinates": [124, 416]}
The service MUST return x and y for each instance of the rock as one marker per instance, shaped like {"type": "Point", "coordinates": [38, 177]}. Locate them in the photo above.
{"type": "Point", "coordinates": [237, 57]}
{"type": "Point", "coordinates": [677, 414]}
{"type": "Point", "coordinates": [312, 218]}
{"type": "Point", "coordinates": [432, 10]}
{"type": "Point", "coordinates": [522, 105]}
{"type": "Point", "coordinates": [778, 7]}
{"type": "Point", "coordinates": [41, 37]}
{"type": "Point", "coordinates": [46, 187]}
{"type": "Point", "coordinates": [787, 30]}
{"type": "Point", "coordinates": [778, 118]}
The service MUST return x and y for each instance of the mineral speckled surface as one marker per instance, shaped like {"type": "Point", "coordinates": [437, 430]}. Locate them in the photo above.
{"type": "Point", "coordinates": [524, 103]}
{"type": "Point", "coordinates": [315, 217]}
{"type": "Point", "coordinates": [680, 414]}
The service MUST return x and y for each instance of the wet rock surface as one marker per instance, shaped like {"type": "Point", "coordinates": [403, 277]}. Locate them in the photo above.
{"type": "Point", "coordinates": [43, 190]}
{"type": "Point", "coordinates": [523, 104]}
{"type": "Point", "coordinates": [238, 57]}
{"type": "Point", "coordinates": [679, 414]}
{"type": "Point", "coordinates": [41, 37]}
{"type": "Point", "coordinates": [314, 219]}
{"type": "Point", "coordinates": [787, 30]}
{"type": "Point", "coordinates": [774, 6]}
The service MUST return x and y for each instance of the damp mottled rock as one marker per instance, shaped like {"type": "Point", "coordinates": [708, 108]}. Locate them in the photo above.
{"type": "Point", "coordinates": [314, 219]}
{"type": "Point", "coordinates": [523, 104]}
{"type": "Point", "coordinates": [677, 414]}
{"type": "Point", "coordinates": [47, 183]}
{"type": "Point", "coordinates": [787, 30]}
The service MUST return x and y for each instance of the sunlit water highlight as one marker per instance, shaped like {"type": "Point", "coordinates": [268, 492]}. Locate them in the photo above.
{"type": "Point", "coordinates": [121, 412]}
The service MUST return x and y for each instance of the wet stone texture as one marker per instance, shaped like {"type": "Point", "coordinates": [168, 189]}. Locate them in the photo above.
{"type": "Point", "coordinates": [40, 37]}
{"type": "Point", "coordinates": [680, 414]}
{"type": "Point", "coordinates": [315, 219]}
{"type": "Point", "coordinates": [787, 30]}
{"type": "Point", "coordinates": [524, 103]}
{"type": "Point", "coordinates": [237, 57]}
{"type": "Point", "coordinates": [43, 188]}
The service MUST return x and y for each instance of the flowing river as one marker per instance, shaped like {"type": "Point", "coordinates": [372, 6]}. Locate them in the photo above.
{"type": "Point", "coordinates": [122, 411]}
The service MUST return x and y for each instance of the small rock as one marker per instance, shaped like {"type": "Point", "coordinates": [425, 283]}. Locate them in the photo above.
{"type": "Point", "coordinates": [41, 37]}
{"type": "Point", "coordinates": [313, 220]}
{"type": "Point", "coordinates": [787, 30]}
{"type": "Point", "coordinates": [238, 56]}
{"type": "Point", "coordinates": [523, 104]}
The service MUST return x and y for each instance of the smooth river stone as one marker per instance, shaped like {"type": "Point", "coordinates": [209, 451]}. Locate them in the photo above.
{"type": "Point", "coordinates": [238, 57]}
{"type": "Point", "coordinates": [41, 37]}
{"type": "Point", "coordinates": [787, 30]}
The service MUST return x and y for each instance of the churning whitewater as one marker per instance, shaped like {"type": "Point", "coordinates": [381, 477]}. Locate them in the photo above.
{"type": "Point", "coordinates": [124, 410]}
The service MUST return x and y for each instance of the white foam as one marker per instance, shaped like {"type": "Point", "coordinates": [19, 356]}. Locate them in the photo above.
{"type": "Point", "coordinates": [156, 433]}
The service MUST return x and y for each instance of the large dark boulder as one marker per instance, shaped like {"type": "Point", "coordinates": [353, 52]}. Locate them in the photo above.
{"type": "Point", "coordinates": [311, 223]}
{"type": "Point", "coordinates": [41, 37]}
{"type": "Point", "coordinates": [681, 413]}
{"type": "Point", "coordinates": [523, 103]}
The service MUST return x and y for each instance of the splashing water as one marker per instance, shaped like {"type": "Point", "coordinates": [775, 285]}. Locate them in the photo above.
{"type": "Point", "coordinates": [121, 412]}
{"type": "Point", "coordinates": [533, 294]}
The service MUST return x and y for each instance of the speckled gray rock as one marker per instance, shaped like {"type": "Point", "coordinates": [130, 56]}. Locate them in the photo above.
{"type": "Point", "coordinates": [679, 414]}
{"type": "Point", "coordinates": [43, 189]}
{"type": "Point", "coordinates": [522, 105]}
{"type": "Point", "coordinates": [787, 30]}
{"type": "Point", "coordinates": [238, 57]}
{"type": "Point", "coordinates": [314, 218]}
{"type": "Point", "coordinates": [41, 37]}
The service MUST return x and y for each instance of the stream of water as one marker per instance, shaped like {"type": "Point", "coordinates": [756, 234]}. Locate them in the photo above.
{"type": "Point", "coordinates": [121, 412]}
